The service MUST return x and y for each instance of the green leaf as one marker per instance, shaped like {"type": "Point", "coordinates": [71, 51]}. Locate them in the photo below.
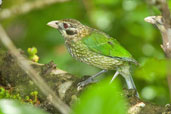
{"type": "Point", "coordinates": [32, 51]}
{"type": "Point", "coordinates": [14, 107]}
{"type": "Point", "coordinates": [103, 98]}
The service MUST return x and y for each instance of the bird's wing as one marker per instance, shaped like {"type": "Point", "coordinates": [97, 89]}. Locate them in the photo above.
{"type": "Point", "coordinates": [108, 46]}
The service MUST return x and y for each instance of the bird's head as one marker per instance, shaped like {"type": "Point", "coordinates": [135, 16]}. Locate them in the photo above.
{"type": "Point", "coordinates": [69, 28]}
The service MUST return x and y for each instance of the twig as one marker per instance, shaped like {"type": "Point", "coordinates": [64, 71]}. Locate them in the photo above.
{"type": "Point", "coordinates": [0, 2]}
{"type": "Point", "coordinates": [26, 7]}
{"type": "Point", "coordinates": [164, 25]}
{"type": "Point", "coordinates": [24, 64]}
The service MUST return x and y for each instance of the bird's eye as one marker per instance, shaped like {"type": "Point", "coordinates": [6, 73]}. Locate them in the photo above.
{"type": "Point", "coordinates": [65, 25]}
{"type": "Point", "coordinates": [71, 32]}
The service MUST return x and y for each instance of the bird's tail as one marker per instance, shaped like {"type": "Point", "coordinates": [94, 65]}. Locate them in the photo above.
{"type": "Point", "coordinates": [125, 72]}
{"type": "Point", "coordinates": [129, 81]}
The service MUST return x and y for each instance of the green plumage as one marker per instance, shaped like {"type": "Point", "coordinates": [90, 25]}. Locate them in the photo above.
{"type": "Point", "coordinates": [107, 46]}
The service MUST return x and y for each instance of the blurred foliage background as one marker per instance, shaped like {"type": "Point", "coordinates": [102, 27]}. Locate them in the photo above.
{"type": "Point", "coordinates": [121, 19]}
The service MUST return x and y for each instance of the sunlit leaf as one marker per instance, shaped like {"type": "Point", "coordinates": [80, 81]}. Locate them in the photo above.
{"type": "Point", "coordinates": [102, 99]}
{"type": "Point", "coordinates": [14, 107]}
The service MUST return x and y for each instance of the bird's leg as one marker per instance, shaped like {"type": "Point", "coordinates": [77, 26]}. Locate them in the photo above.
{"type": "Point", "coordinates": [115, 75]}
{"type": "Point", "coordinates": [90, 79]}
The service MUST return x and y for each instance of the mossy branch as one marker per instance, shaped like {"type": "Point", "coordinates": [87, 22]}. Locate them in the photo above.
{"type": "Point", "coordinates": [62, 83]}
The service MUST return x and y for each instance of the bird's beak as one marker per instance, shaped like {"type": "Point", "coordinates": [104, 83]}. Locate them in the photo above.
{"type": "Point", "coordinates": [53, 24]}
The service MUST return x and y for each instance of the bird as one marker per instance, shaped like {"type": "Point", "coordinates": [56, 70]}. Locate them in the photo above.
{"type": "Point", "coordinates": [95, 48]}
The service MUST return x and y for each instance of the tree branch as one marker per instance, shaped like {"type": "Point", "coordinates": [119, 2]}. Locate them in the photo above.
{"type": "Point", "coordinates": [62, 83]}
{"type": "Point", "coordinates": [164, 25]}
{"type": "Point", "coordinates": [25, 65]}
{"type": "Point", "coordinates": [26, 7]}
{"type": "Point", "coordinates": [0, 2]}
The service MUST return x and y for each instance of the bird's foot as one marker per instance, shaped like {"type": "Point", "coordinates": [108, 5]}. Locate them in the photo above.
{"type": "Point", "coordinates": [89, 80]}
{"type": "Point", "coordinates": [82, 84]}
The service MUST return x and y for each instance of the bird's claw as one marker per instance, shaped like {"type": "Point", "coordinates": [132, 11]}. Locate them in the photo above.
{"type": "Point", "coordinates": [82, 84]}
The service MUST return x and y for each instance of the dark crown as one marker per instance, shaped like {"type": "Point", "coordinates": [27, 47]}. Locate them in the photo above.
{"type": "Point", "coordinates": [74, 21]}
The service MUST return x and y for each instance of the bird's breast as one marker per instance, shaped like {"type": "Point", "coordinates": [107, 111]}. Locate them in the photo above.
{"type": "Point", "coordinates": [82, 53]}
